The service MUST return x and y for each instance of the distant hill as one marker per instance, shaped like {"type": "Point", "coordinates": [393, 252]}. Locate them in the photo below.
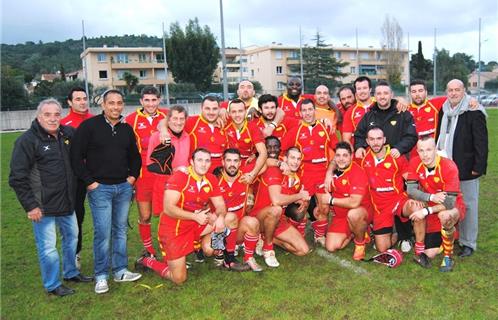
{"type": "Point", "coordinates": [33, 59]}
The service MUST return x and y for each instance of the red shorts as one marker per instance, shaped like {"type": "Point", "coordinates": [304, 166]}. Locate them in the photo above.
{"type": "Point", "coordinates": [433, 224]}
{"type": "Point", "coordinates": [313, 179]}
{"type": "Point", "coordinates": [177, 240]}
{"type": "Point", "coordinates": [383, 216]}
{"type": "Point", "coordinates": [144, 186]}
{"type": "Point", "coordinates": [158, 193]}
{"type": "Point", "coordinates": [339, 222]}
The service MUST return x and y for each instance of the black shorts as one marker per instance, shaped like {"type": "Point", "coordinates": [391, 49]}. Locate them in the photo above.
{"type": "Point", "coordinates": [381, 231]}
{"type": "Point", "coordinates": [433, 240]}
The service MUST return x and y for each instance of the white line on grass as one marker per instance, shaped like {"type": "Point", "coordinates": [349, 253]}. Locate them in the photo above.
{"type": "Point", "coordinates": [343, 263]}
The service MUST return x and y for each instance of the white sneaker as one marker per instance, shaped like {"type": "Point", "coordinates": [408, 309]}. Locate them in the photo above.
{"type": "Point", "coordinates": [320, 241]}
{"type": "Point", "coordinates": [128, 276]}
{"type": "Point", "coordinates": [270, 259]}
{"type": "Point", "coordinates": [101, 286]}
{"type": "Point", "coordinates": [259, 247]}
{"type": "Point", "coordinates": [77, 261]}
{"type": "Point", "coordinates": [251, 262]}
{"type": "Point", "coordinates": [406, 246]}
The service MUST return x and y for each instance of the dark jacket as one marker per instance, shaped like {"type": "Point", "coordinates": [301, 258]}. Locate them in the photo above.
{"type": "Point", "coordinates": [399, 128]}
{"type": "Point", "coordinates": [103, 153]}
{"type": "Point", "coordinates": [40, 171]}
{"type": "Point", "coordinates": [470, 143]}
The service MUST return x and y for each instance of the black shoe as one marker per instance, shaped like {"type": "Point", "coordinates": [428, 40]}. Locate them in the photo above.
{"type": "Point", "coordinates": [199, 256]}
{"type": "Point", "coordinates": [466, 252]}
{"type": "Point", "coordinates": [79, 278]}
{"type": "Point", "coordinates": [139, 265]}
{"type": "Point", "coordinates": [423, 260]}
{"type": "Point", "coordinates": [61, 291]}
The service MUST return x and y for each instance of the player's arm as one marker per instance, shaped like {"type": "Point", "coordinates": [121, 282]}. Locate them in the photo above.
{"type": "Point", "coordinates": [329, 175]}
{"type": "Point", "coordinates": [279, 199]}
{"type": "Point", "coordinates": [171, 198]}
{"type": "Point", "coordinates": [414, 192]}
{"type": "Point", "coordinates": [260, 162]}
{"type": "Point", "coordinates": [351, 202]}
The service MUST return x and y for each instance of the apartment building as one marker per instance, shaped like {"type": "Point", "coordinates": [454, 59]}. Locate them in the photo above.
{"type": "Point", "coordinates": [107, 65]}
{"type": "Point", "coordinates": [270, 65]}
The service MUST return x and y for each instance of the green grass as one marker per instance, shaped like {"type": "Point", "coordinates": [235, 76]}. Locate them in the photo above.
{"type": "Point", "coordinates": [310, 287]}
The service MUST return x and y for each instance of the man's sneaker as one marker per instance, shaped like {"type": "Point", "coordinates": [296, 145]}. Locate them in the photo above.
{"type": "Point", "coordinates": [101, 286]}
{"type": "Point", "coordinates": [77, 261]}
{"type": "Point", "coordinates": [127, 276]}
{"type": "Point", "coordinates": [368, 239]}
{"type": "Point", "coordinates": [423, 260]}
{"type": "Point", "coordinates": [259, 247]}
{"type": "Point", "coordinates": [406, 246]}
{"type": "Point", "coordinates": [218, 259]}
{"type": "Point", "coordinates": [270, 259]}
{"type": "Point", "coordinates": [320, 241]}
{"type": "Point", "coordinates": [139, 265]}
{"type": "Point", "coordinates": [447, 264]}
{"type": "Point", "coordinates": [251, 262]}
{"type": "Point", "coordinates": [359, 252]}
{"type": "Point", "coordinates": [199, 256]}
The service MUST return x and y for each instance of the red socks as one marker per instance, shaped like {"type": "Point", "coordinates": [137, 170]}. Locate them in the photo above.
{"type": "Point", "coordinates": [319, 227]}
{"type": "Point", "coordinates": [250, 243]}
{"type": "Point", "coordinates": [161, 268]}
{"type": "Point", "coordinates": [145, 235]}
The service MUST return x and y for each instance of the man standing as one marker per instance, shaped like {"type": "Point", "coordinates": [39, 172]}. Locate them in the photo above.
{"type": "Point", "coordinates": [268, 104]}
{"type": "Point", "coordinates": [463, 137]}
{"type": "Point", "coordinates": [144, 123]}
{"type": "Point", "coordinates": [43, 181]}
{"type": "Point", "coordinates": [187, 216]}
{"type": "Point", "coordinates": [346, 95]}
{"type": "Point", "coordinates": [291, 100]}
{"type": "Point", "coordinates": [325, 108]}
{"type": "Point", "coordinates": [106, 157]}
{"type": "Point", "coordinates": [78, 112]}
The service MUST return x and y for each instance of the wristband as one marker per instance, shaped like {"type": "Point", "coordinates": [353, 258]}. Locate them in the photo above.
{"type": "Point", "coordinates": [430, 197]}
{"type": "Point", "coordinates": [279, 163]}
{"type": "Point", "coordinates": [429, 209]}
{"type": "Point", "coordinates": [331, 202]}
{"type": "Point", "coordinates": [426, 211]}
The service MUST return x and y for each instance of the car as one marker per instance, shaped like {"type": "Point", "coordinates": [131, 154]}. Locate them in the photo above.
{"type": "Point", "coordinates": [489, 99]}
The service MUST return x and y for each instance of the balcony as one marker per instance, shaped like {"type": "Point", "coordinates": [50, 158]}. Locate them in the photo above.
{"type": "Point", "coordinates": [137, 64]}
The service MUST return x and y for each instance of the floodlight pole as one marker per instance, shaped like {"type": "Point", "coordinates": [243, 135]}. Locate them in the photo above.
{"type": "Point", "coordinates": [223, 57]}
{"type": "Point", "coordinates": [166, 89]}
{"type": "Point", "coordinates": [85, 69]}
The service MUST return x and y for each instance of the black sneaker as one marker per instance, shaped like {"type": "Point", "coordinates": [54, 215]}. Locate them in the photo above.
{"type": "Point", "coordinates": [423, 260]}
{"type": "Point", "coordinates": [199, 256]}
{"type": "Point", "coordinates": [218, 259]}
{"type": "Point", "coordinates": [139, 266]}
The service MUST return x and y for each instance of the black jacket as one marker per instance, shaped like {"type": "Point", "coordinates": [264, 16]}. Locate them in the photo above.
{"type": "Point", "coordinates": [399, 128]}
{"type": "Point", "coordinates": [103, 153]}
{"type": "Point", "coordinates": [40, 171]}
{"type": "Point", "coordinates": [470, 143]}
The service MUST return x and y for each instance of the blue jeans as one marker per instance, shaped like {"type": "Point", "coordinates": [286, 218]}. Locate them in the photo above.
{"type": "Point", "coordinates": [46, 239]}
{"type": "Point", "coordinates": [110, 205]}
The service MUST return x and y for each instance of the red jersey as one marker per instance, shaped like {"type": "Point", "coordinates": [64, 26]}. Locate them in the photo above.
{"type": "Point", "coordinates": [291, 107]}
{"type": "Point", "coordinates": [314, 142]}
{"type": "Point", "coordinates": [206, 135]}
{"type": "Point", "coordinates": [353, 180]}
{"type": "Point", "coordinates": [290, 184]}
{"type": "Point", "coordinates": [195, 194]}
{"type": "Point", "coordinates": [244, 139]}
{"type": "Point", "coordinates": [287, 124]}
{"type": "Point", "coordinates": [144, 125]}
{"type": "Point", "coordinates": [425, 118]}
{"type": "Point", "coordinates": [353, 116]}
{"type": "Point", "coordinates": [74, 119]}
{"type": "Point", "coordinates": [234, 194]}
{"type": "Point", "coordinates": [385, 177]}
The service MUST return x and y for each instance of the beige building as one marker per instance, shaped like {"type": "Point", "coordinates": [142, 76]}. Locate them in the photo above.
{"type": "Point", "coordinates": [485, 76]}
{"type": "Point", "coordinates": [270, 65]}
{"type": "Point", "coordinates": [107, 65]}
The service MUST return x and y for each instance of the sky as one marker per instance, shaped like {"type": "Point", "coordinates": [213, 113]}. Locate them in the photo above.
{"type": "Point", "coordinates": [264, 21]}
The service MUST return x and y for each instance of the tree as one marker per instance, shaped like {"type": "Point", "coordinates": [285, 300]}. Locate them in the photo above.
{"type": "Point", "coordinates": [420, 68]}
{"type": "Point", "coordinates": [451, 67]}
{"type": "Point", "coordinates": [192, 54]}
{"type": "Point", "coordinates": [14, 95]}
{"type": "Point", "coordinates": [320, 67]}
{"type": "Point", "coordinates": [392, 41]}
{"type": "Point", "coordinates": [131, 82]}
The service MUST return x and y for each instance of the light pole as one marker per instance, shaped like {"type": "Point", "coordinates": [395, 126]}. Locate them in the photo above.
{"type": "Point", "coordinates": [223, 57]}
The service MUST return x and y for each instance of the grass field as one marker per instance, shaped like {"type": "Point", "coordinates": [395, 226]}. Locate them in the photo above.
{"type": "Point", "coordinates": [318, 286]}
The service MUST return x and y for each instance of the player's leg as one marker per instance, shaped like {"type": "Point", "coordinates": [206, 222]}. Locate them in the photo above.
{"type": "Point", "coordinates": [291, 240]}
{"type": "Point", "coordinates": [321, 214]}
{"type": "Point", "coordinates": [269, 218]}
{"type": "Point", "coordinates": [357, 220]}
{"type": "Point", "coordinates": [448, 220]}
{"type": "Point", "coordinates": [337, 241]}
{"type": "Point", "coordinates": [248, 233]}
{"type": "Point", "coordinates": [144, 188]}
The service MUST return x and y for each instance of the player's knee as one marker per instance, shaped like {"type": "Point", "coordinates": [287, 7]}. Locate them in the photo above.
{"type": "Point", "coordinates": [231, 220]}
{"type": "Point", "coordinates": [302, 250]}
{"type": "Point", "coordinates": [355, 217]}
{"type": "Point", "coordinates": [251, 223]}
{"type": "Point", "coordinates": [275, 212]}
{"type": "Point", "coordinates": [179, 278]}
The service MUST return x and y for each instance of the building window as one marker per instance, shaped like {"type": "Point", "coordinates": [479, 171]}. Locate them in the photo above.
{"type": "Point", "coordinates": [293, 54]}
{"type": "Point", "coordinates": [281, 85]}
{"type": "Point", "coordinates": [279, 69]}
{"type": "Point", "coordinates": [142, 57]}
{"type": "Point", "coordinates": [101, 57]}
{"type": "Point", "coordinates": [365, 55]}
{"type": "Point", "coordinates": [352, 70]}
{"type": "Point", "coordinates": [352, 55]}
{"type": "Point", "coordinates": [252, 72]}
{"type": "Point", "coordinates": [120, 73]}
{"type": "Point", "coordinates": [474, 84]}
{"type": "Point", "coordinates": [103, 74]}
{"type": "Point", "coordinates": [243, 60]}
{"type": "Point", "coordinates": [159, 58]}
{"type": "Point", "coordinates": [244, 69]}
{"type": "Point", "coordinates": [278, 54]}
{"type": "Point", "coordinates": [122, 58]}
{"type": "Point", "coordinates": [380, 56]}
{"type": "Point", "coordinates": [369, 70]}
{"type": "Point", "coordinates": [143, 74]}
{"type": "Point", "coordinates": [251, 58]}
{"type": "Point", "coordinates": [160, 74]}
{"type": "Point", "coordinates": [337, 55]}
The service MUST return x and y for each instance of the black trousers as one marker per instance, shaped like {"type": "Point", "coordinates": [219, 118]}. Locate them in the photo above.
{"type": "Point", "coordinates": [404, 229]}
{"type": "Point", "coordinates": [79, 208]}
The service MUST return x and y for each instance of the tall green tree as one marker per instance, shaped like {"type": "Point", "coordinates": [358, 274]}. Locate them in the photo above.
{"type": "Point", "coordinates": [192, 54]}
{"type": "Point", "coordinates": [420, 68]}
{"type": "Point", "coordinates": [13, 94]}
{"type": "Point", "coordinates": [320, 67]}
{"type": "Point", "coordinates": [451, 67]}
{"type": "Point", "coordinates": [131, 82]}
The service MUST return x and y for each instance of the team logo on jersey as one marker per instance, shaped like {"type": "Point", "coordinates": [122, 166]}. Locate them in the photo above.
{"type": "Point", "coordinates": [212, 139]}
{"type": "Point", "coordinates": [357, 114]}
{"type": "Point", "coordinates": [367, 163]}
{"type": "Point", "coordinates": [202, 130]}
{"type": "Point", "coordinates": [247, 140]}
{"type": "Point", "coordinates": [321, 133]}
{"type": "Point", "coordinates": [436, 179]}
{"type": "Point", "coordinates": [393, 123]}
{"type": "Point", "coordinates": [387, 165]}
{"type": "Point", "coordinates": [66, 141]}
{"type": "Point", "coordinates": [141, 125]}
{"type": "Point", "coordinates": [344, 181]}
{"type": "Point", "coordinates": [303, 136]}
{"type": "Point", "coordinates": [206, 189]}
{"type": "Point", "coordinates": [428, 109]}
{"type": "Point", "coordinates": [191, 189]}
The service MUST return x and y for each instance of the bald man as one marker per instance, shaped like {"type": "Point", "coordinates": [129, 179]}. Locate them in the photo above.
{"type": "Point", "coordinates": [463, 137]}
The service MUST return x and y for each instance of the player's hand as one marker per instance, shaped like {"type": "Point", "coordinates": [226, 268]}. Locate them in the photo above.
{"type": "Point", "coordinates": [395, 153]}
{"type": "Point", "coordinates": [473, 103]}
{"type": "Point", "coordinates": [201, 216]}
{"type": "Point", "coordinates": [329, 182]}
{"type": "Point", "coordinates": [223, 115]}
{"type": "Point", "coordinates": [92, 186]}
{"type": "Point", "coordinates": [35, 214]}
{"type": "Point", "coordinates": [475, 173]}
{"type": "Point", "coordinates": [305, 195]}
{"type": "Point", "coordinates": [220, 122]}
{"type": "Point", "coordinates": [418, 215]}
{"type": "Point", "coordinates": [402, 105]}
{"type": "Point", "coordinates": [326, 122]}
{"type": "Point", "coordinates": [438, 197]}
{"type": "Point", "coordinates": [247, 178]}
{"type": "Point", "coordinates": [268, 131]}
{"type": "Point", "coordinates": [252, 113]}
{"type": "Point", "coordinates": [284, 167]}
{"type": "Point", "coordinates": [302, 205]}
{"type": "Point", "coordinates": [360, 153]}
{"type": "Point", "coordinates": [131, 180]}
{"type": "Point", "coordinates": [251, 158]}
